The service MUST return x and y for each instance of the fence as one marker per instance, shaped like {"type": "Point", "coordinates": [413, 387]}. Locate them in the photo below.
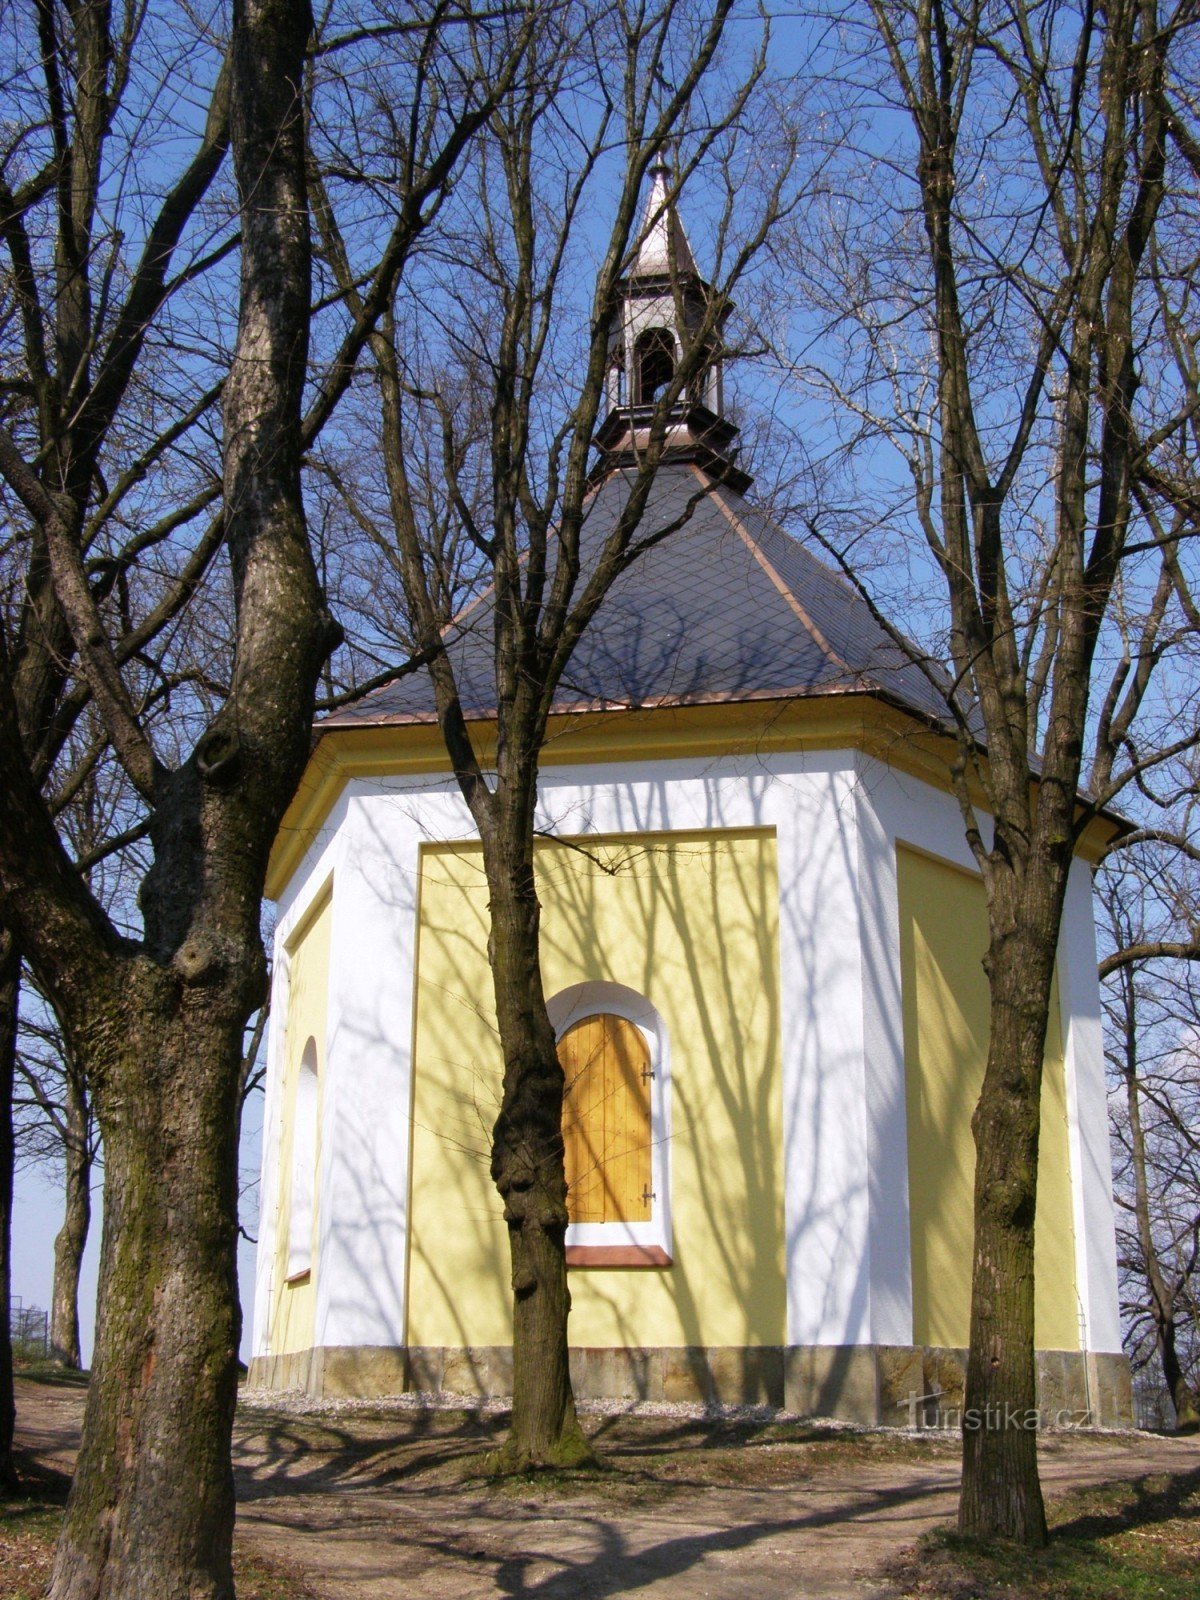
{"type": "Point", "coordinates": [30, 1330]}
{"type": "Point", "coordinates": [1152, 1408]}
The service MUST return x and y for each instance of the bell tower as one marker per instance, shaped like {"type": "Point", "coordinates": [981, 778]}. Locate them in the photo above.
{"type": "Point", "coordinates": [660, 309]}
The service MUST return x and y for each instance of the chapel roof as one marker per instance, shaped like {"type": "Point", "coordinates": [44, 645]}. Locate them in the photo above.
{"type": "Point", "coordinates": [728, 607]}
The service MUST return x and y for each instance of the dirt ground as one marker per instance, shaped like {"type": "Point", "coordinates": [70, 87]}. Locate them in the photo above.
{"type": "Point", "coordinates": [379, 1504]}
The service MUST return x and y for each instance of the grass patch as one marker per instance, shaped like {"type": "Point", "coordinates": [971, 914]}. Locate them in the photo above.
{"type": "Point", "coordinates": [626, 1486]}
{"type": "Point", "coordinates": [50, 1372]}
{"type": "Point", "coordinates": [1127, 1541]}
{"type": "Point", "coordinates": [29, 1527]}
{"type": "Point", "coordinates": [260, 1579]}
{"type": "Point", "coordinates": [27, 1534]}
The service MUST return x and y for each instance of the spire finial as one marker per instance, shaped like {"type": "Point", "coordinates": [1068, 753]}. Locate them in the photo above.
{"type": "Point", "coordinates": [662, 245]}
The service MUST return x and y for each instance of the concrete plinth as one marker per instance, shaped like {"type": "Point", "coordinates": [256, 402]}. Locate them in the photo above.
{"type": "Point", "coordinates": [872, 1385]}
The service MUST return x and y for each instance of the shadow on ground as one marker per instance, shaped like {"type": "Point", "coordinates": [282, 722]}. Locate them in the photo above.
{"type": "Point", "coordinates": [378, 1504]}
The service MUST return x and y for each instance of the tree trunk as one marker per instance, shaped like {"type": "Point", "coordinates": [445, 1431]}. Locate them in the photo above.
{"type": "Point", "coordinates": [156, 1028]}
{"type": "Point", "coordinates": [528, 1169]}
{"type": "Point", "coordinates": [10, 979]}
{"type": "Point", "coordinates": [151, 1506]}
{"type": "Point", "coordinates": [72, 1237]}
{"type": "Point", "coordinates": [1001, 1493]}
{"type": "Point", "coordinates": [1183, 1397]}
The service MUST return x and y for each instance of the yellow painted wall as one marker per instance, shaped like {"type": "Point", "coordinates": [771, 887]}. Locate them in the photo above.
{"type": "Point", "coordinates": [294, 1304]}
{"type": "Point", "coordinates": [943, 938]}
{"type": "Point", "coordinates": [689, 921]}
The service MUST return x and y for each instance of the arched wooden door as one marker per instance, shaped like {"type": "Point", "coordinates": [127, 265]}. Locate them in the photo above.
{"type": "Point", "coordinates": [606, 1120]}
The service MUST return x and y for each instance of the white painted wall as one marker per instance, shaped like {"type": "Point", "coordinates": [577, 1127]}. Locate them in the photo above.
{"type": "Point", "coordinates": [837, 816]}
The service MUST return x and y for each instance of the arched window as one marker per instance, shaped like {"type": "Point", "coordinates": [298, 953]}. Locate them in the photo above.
{"type": "Point", "coordinates": [304, 1165]}
{"type": "Point", "coordinates": [654, 362]}
{"type": "Point", "coordinates": [616, 1060]}
{"type": "Point", "coordinates": [606, 1120]}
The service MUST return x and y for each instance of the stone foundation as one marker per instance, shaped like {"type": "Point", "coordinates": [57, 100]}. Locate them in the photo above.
{"type": "Point", "coordinates": [889, 1385]}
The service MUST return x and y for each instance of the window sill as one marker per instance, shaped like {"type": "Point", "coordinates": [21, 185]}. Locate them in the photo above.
{"type": "Point", "coordinates": [294, 1278]}
{"type": "Point", "coordinates": [617, 1255]}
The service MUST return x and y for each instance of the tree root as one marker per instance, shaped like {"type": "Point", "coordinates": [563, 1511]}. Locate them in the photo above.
{"type": "Point", "coordinates": [571, 1452]}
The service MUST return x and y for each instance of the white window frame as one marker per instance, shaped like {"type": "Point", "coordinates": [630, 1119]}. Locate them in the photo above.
{"type": "Point", "coordinates": [567, 1008]}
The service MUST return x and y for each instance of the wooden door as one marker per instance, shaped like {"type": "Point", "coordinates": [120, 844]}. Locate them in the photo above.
{"type": "Point", "coordinates": [606, 1120]}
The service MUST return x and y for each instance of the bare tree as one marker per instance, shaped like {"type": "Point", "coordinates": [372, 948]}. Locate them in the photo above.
{"type": "Point", "coordinates": [508, 377]}
{"type": "Point", "coordinates": [1153, 1017]}
{"type": "Point", "coordinates": [992, 297]}
{"type": "Point", "coordinates": [56, 1122]}
{"type": "Point", "coordinates": [53, 324]}
{"type": "Point", "coordinates": [56, 1127]}
{"type": "Point", "coordinates": [118, 355]}
{"type": "Point", "coordinates": [10, 988]}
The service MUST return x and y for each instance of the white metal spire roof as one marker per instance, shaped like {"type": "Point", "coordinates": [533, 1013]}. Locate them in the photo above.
{"type": "Point", "coordinates": [663, 247]}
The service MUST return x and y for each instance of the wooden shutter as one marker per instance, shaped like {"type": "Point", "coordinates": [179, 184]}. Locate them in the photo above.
{"type": "Point", "coordinates": [606, 1120]}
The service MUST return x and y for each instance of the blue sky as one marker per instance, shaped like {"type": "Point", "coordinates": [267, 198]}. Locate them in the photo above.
{"type": "Point", "coordinates": [38, 1214]}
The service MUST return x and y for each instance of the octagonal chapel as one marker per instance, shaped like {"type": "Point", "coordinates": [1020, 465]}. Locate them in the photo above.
{"type": "Point", "coordinates": [762, 943]}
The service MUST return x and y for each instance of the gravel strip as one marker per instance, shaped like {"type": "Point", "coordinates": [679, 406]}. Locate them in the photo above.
{"type": "Point", "coordinates": [299, 1403]}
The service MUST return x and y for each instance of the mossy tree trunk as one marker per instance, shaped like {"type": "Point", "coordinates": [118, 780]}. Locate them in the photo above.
{"type": "Point", "coordinates": [156, 1028]}
{"type": "Point", "coordinates": [151, 1508]}
{"type": "Point", "coordinates": [1024, 612]}
{"type": "Point", "coordinates": [1183, 1397]}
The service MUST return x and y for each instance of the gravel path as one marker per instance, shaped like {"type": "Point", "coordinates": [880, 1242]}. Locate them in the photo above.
{"type": "Point", "coordinates": [378, 1502]}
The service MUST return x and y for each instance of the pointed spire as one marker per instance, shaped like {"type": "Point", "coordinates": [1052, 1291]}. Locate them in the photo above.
{"type": "Point", "coordinates": [662, 247]}
{"type": "Point", "coordinates": [661, 308]}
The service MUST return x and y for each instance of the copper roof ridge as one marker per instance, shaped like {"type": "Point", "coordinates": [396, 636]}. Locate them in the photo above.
{"type": "Point", "coordinates": [663, 702]}
{"type": "Point", "coordinates": [777, 580]}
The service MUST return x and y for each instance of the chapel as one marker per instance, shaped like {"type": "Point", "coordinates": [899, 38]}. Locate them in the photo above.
{"type": "Point", "coordinates": [762, 942]}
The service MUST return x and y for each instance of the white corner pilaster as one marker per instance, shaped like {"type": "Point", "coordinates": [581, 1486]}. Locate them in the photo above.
{"type": "Point", "coordinates": [883, 1068]}
{"type": "Point", "coordinates": [307, 884]}
{"type": "Point", "coordinates": [1087, 1119]}
{"type": "Point", "coordinates": [825, 1141]}
{"type": "Point", "coordinates": [367, 1098]}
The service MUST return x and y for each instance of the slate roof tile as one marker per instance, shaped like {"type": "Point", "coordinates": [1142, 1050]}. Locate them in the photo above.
{"type": "Point", "coordinates": [729, 606]}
